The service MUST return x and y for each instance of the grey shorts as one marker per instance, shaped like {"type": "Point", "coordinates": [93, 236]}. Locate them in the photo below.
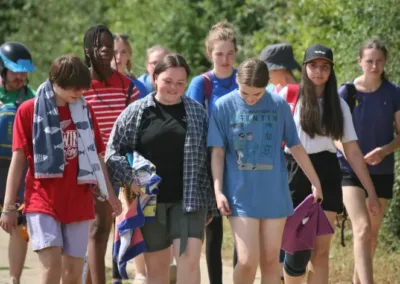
{"type": "Point", "coordinates": [45, 232]}
{"type": "Point", "coordinates": [172, 223]}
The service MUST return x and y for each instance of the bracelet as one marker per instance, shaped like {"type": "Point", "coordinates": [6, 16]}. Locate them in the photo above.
{"type": "Point", "coordinates": [10, 207]}
{"type": "Point", "coordinates": [128, 193]}
{"type": "Point", "coordinates": [5, 211]}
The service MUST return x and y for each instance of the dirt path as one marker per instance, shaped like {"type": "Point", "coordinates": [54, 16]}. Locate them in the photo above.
{"type": "Point", "coordinates": [31, 273]}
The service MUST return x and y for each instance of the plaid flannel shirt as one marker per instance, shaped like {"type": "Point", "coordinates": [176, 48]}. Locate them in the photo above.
{"type": "Point", "coordinates": [197, 190]}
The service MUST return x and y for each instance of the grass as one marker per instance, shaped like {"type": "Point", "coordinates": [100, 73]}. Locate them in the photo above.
{"type": "Point", "coordinates": [386, 262]}
{"type": "Point", "coordinates": [8, 268]}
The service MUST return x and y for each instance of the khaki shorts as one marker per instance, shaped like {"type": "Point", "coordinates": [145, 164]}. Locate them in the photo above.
{"type": "Point", "coordinates": [172, 223]}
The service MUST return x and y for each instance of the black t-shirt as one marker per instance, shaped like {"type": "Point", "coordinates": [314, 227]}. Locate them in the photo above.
{"type": "Point", "coordinates": [161, 140]}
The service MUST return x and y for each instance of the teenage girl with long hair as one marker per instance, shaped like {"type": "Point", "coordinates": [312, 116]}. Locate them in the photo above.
{"type": "Point", "coordinates": [321, 118]}
{"type": "Point", "coordinates": [376, 105]}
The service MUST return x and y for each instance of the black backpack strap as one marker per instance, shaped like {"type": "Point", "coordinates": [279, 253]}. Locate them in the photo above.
{"type": "Point", "coordinates": [351, 95]}
{"type": "Point", "coordinates": [130, 92]}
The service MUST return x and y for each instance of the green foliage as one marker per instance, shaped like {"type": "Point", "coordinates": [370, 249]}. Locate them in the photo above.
{"type": "Point", "coordinates": [51, 28]}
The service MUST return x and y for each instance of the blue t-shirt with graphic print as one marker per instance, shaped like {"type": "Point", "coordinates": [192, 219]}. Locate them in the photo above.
{"type": "Point", "coordinates": [220, 87]}
{"type": "Point", "coordinates": [255, 175]}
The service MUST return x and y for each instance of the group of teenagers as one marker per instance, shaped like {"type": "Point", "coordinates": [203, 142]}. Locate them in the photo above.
{"type": "Point", "coordinates": [249, 143]}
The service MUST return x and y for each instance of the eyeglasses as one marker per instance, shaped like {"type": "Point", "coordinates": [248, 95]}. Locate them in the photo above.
{"type": "Point", "coordinates": [123, 36]}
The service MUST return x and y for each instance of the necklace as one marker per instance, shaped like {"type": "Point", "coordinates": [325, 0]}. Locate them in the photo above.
{"type": "Point", "coordinates": [103, 102]}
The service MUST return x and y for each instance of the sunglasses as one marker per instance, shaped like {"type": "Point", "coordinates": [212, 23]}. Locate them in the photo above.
{"type": "Point", "coordinates": [123, 36]}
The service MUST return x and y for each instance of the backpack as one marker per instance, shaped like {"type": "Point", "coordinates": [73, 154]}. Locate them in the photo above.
{"type": "Point", "coordinates": [7, 117]}
{"type": "Point", "coordinates": [207, 86]}
{"type": "Point", "coordinates": [292, 97]}
{"type": "Point", "coordinates": [351, 95]}
{"type": "Point", "coordinates": [130, 92]}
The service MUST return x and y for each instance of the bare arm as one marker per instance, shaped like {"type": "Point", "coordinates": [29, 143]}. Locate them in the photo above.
{"type": "Point", "coordinates": [18, 163]}
{"type": "Point", "coordinates": [110, 188]}
{"type": "Point", "coordinates": [339, 146]}
{"type": "Point", "coordinates": [378, 154]}
{"type": "Point", "coordinates": [217, 168]}
{"type": "Point", "coordinates": [395, 144]}
{"type": "Point", "coordinates": [356, 160]}
{"type": "Point", "coordinates": [8, 220]}
{"type": "Point", "coordinates": [300, 155]}
{"type": "Point", "coordinates": [112, 199]}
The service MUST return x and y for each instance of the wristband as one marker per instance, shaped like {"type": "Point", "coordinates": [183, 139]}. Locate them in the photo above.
{"type": "Point", "coordinates": [5, 210]}
{"type": "Point", "coordinates": [10, 207]}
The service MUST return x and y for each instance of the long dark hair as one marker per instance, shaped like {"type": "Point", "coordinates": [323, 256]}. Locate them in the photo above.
{"type": "Point", "coordinates": [331, 123]}
{"type": "Point", "coordinates": [92, 40]}
{"type": "Point", "coordinates": [378, 45]}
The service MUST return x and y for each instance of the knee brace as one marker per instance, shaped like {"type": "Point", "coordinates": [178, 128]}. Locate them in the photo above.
{"type": "Point", "coordinates": [295, 264]}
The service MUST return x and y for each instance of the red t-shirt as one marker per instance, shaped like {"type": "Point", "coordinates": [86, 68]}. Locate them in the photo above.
{"type": "Point", "coordinates": [61, 198]}
{"type": "Point", "coordinates": [109, 100]}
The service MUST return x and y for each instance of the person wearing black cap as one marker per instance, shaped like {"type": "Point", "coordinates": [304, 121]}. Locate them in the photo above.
{"type": "Point", "coordinates": [321, 118]}
{"type": "Point", "coordinates": [15, 63]}
{"type": "Point", "coordinates": [281, 63]}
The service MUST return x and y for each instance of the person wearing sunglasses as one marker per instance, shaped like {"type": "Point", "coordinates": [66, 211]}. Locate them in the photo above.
{"type": "Point", "coordinates": [154, 54]}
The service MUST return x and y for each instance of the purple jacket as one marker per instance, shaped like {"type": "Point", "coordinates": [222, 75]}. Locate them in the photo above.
{"type": "Point", "coordinates": [301, 229]}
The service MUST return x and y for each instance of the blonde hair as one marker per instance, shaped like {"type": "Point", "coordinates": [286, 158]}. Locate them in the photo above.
{"type": "Point", "coordinates": [221, 31]}
{"type": "Point", "coordinates": [125, 41]}
{"type": "Point", "coordinates": [155, 48]}
{"type": "Point", "coordinates": [253, 73]}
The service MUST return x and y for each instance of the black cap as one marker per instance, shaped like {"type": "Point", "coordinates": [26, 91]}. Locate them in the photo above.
{"type": "Point", "coordinates": [279, 56]}
{"type": "Point", "coordinates": [316, 51]}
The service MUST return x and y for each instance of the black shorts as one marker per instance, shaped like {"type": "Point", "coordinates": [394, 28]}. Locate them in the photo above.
{"type": "Point", "coordinates": [328, 170]}
{"type": "Point", "coordinates": [383, 183]}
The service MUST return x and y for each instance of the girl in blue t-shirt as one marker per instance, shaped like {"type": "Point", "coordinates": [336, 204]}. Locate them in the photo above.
{"type": "Point", "coordinates": [375, 106]}
{"type": "Point", "coordinates": [246, 130]}
{"type": "Point", "coordinates": [221, 49]}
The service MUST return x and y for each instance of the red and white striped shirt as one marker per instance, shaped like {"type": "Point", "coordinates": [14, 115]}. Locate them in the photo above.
{"type": "Point", "coordinates": [109, 100]}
